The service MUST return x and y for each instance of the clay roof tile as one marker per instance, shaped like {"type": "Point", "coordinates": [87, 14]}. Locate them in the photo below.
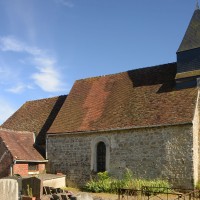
{"type": "Point", "coordinates": [142, 97]}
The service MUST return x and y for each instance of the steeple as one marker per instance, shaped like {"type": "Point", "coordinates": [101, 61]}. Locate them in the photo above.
{"type": "Point", "coordinates": [197, 5]}
{"type": "Point", "coordinates": [191, 39]}
{"type": "Point", "coordinates": [188, 54]}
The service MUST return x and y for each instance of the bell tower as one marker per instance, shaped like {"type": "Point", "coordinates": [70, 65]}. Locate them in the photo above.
{"type": "Point", "coordinates": [188, 54]}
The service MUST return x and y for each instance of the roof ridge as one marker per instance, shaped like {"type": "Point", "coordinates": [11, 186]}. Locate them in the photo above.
{"type": "Point", "coordinates": [142, 68]}
{"type": "Point", "coordinates": [46, 98]}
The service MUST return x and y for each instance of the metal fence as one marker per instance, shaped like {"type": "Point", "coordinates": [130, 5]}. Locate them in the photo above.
{"type": "Point", "coordinates": [158, 193]}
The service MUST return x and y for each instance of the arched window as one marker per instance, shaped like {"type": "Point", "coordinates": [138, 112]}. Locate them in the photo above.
{"type": "Point", "coordinates": [100, 154]}
{"type": "Point", "coordinates": [101, 157]}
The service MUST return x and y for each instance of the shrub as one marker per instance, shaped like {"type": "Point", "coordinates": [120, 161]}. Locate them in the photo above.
{"type": "Point", "coordinates": [198, 185]}
{"type": "Point", "coordinates": [101, 184]}
{"type": "Point", "coordinates": [104, 183]}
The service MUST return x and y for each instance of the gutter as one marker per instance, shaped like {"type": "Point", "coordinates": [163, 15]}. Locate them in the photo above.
{"type": "Point", "coordinates": [118, 129]}
{"type": "Point", "coordinates": [33, 161]}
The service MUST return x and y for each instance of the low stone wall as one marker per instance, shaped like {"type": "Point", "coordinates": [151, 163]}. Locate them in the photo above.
{"type": "Point", "coordinates": [56, 182]}
{"type": "Point", "coordinates": [8, 189]}
{"type": "Point", "coordinates": [151, 153]}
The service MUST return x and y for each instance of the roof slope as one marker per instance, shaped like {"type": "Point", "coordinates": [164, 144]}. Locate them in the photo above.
{"type": "Point", "coordinates": [20, 145]}
{"type": "Point", "coordinates": [142, 97]}
{"type": "Point", "coordinates": [191, 40]}
{"type": "Point", "coordinates": [35, 116]}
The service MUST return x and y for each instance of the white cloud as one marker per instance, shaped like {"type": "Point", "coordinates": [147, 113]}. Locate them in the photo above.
{"type": "Point", "coordinates": [47, 77]}
{"type": "Point", "coordinates": [19, 88]}
{"type": "Point", "coordinates": [44, 61]}
{"type": "Point", "coordinates": [10, 43]}
{"type": "Point", "coordinates": [6, 110]}
{"type": "Point", "coordinates": [16, 89]}
{"type": "Point", "coordinates": [65, 3]}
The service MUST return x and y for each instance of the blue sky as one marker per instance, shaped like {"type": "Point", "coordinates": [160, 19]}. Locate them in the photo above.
{"type": "Point", "coordinates": [45, 45]}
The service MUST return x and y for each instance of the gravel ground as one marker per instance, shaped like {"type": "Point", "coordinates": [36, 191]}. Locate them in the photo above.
{"type": "Point", "coordinates": [95, 196]}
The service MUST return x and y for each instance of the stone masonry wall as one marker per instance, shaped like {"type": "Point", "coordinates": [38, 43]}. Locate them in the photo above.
{"type": "Point", "coordinates": [196, 143]}
{"type": "Point", "coordinates": [160, 152]}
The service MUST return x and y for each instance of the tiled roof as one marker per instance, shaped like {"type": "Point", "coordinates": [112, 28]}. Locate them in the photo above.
{"type": "Point", "coordinates": [20, 145]}
{"type": "Point", "coordinates": [191, 39]}
{"type": "Point", "coordinates": [142, 97]}
{"type": "Point", "coordinates": [35, 116]}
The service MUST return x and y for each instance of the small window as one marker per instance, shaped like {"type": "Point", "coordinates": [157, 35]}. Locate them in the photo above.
{"type": "Point", "coordinates": [32, 167]}
{"type": "Point", "coordinates": [101, 157]}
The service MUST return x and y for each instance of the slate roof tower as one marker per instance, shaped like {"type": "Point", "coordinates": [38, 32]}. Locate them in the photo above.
{"type": "Point", "coordinates": [188, 54]}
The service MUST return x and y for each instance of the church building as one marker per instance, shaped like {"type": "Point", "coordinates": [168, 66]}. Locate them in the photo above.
{"type": "Point", "coordinates": [146, 120]}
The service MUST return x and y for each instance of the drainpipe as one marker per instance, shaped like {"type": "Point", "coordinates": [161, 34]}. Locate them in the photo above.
{"type": "Point", "coordinates": [11, 170]}
{"type": "Point", "coordinates": [11, 167]}
{"type": "Point", "coordinates": [46, 147]}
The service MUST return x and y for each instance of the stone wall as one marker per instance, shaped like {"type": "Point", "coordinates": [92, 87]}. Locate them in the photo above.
{"type": "Point", "coordinates": [196, 143]}
{"type": "Point", "coordinates": [160, 152]}
{"type": "Point", "coordinates": [9, 189]}
{"type": "Point", "coordinates": [55, 182]}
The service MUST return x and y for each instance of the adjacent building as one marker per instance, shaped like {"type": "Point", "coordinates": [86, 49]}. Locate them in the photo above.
{"type": "Point", "coordinates": [18, 155]}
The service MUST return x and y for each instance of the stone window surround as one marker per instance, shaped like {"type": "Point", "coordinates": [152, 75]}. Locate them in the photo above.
{"type": "Point", "coordinates": [94, 143]}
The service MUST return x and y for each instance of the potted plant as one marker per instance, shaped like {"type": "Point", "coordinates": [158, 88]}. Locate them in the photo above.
{"type": "Point", "coordinates": [29, 193]}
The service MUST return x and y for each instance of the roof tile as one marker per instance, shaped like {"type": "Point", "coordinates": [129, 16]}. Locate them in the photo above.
{"type": "Point", "coordinates": [35, 116]}
{"type": "Point", "coordinates": [20, 145]}
{"type": "Point", "coordinates": [142, 97]}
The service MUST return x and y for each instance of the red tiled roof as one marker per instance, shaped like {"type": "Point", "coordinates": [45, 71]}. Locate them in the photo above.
{"type": "Point", "coordinates": [35, 116]}
{"type": "Point", "coordinates": [142, 97]}
{"type": "Point", "coordinates": [20, 145]}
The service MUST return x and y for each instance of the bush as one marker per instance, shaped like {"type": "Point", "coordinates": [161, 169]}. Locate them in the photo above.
{"type": "Point", "coordinates": [104, 183]}
{"type": "Point", "coordinates": [101, 184]}
{"type": "Point", "coordinates": [198, 185]}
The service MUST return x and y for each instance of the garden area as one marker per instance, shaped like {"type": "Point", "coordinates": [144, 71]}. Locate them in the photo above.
{"type": "Point", "coordinates": [103, 182]}
{"type": "Point", "coordinates": [105, 187]}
